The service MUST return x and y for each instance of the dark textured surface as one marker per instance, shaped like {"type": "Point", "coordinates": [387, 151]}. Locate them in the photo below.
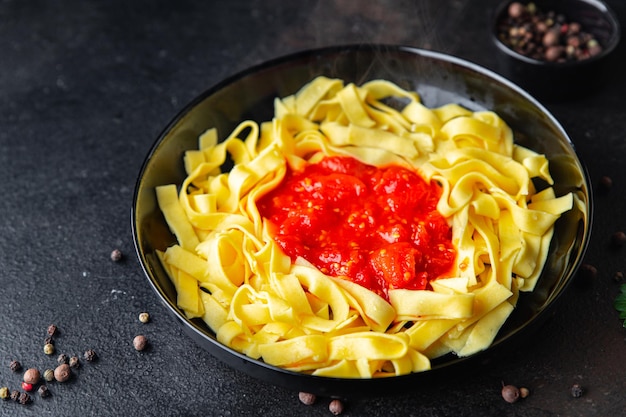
{"type": "Point", "coordinates": [85, 88]}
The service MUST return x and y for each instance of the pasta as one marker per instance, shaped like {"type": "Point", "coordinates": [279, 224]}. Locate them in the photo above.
{"type": "Point", "coordinates": [229, 271]}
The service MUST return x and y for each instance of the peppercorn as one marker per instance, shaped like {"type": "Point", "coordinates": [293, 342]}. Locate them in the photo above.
{"type": "Point", "coordinates": [62, 372]}
{"type": "Point", "coordinates": [48, 375]}
{"type": "Point", "coordinates": [24, 398]}
{"type": "Point", "coordinates": [43, 391]}
{"type": "Point", "coordinates": [306, 398]}
{"type": "Point", "coordinates": [4, 393]}
{"type": "Point", "coordinates": [524, 392]}
{"type": "Point", "coordinates": [140, 342]}
{"type": "Point", "coordinates": [144, 317]}
{"type": "Point", "coordinates": [618, 276]}
{"type": "Point", "coordinates": [589, 271]}
{"type": "Point", "coordinates": [618, 238]}
{"type": "Point", "coordinates": [52, 329]}
{"type": "Point", "coordinates": [606, 182]}
{"type": "Point", "coordinates": [27, 387]}
{"type": "Point", "coordinates": [116, 255]}
{"type": "Point", "coordinates": [48, 348]}
{"type": "Point", "coordinates": [510, 393]}
{"type": "Point", "coordinates": [516, 9]}
{"type": "Point", "coordinates": [336, 407]}
{"type": "Point", "coordinates": [15, 366]}
{"type": "Point", "coordinates": [48, 340]}
{"type": "Point", "coordinates": [15, 395]}
{"type": "Point", "coordinates": [63, 358]}
{"type": "Point", "coordinates": [32, 376]}
{"type": "Point", "coordinates": [74, 362]}
{"type": "Point", "coordinates": [576, 390]}
{"type": "Point", "coordinates": [90, 355]}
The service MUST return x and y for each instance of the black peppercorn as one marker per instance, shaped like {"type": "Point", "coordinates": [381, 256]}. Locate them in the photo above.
{"type": "Point", "coordinates": [63, 358]}
{"type": "Point", "coordinates": [618, 276]}
{"type": "Point", "coordinates": [24, 398]}
{"type": "Point", "coordinates": [15, 395]}
{"type": "Point", "coordinates": [90, 355]}
{"type": "Point", "coordinates": [15, 366]}
{"type": "Point", "coordinates": [49, 340]}
{"type": "Point", "coordinates": [116, 255]}
{"type": "Point", "coordinates": [52, 329]}
{"type": "Point", "coordinates": [43, 391]}
{"type": "Point", "coordinates": [576, 391]}
{"type": "Point", "coordinates": [74, 362]}
{"type": "Point", "coordinates": [618, 238]}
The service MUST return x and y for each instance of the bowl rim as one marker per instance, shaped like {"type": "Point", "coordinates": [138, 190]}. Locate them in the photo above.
{"type": "Point", "coordinates": [599, 5]}
{"type": "Point", "coordinates": [331, 385]}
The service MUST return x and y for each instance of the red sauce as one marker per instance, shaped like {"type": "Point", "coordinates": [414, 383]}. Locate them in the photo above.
{"type": "Point", "coordinates": [379, 227]}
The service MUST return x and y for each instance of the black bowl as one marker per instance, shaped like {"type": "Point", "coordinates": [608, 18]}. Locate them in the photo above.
{"type": "Point", "coordinates": [439, 79]}
{"type": "Point", "coordinates": [559, 81]}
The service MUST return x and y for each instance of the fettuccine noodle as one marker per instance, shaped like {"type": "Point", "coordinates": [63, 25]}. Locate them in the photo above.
{"type": "Point", "coordinates": [229, 272]}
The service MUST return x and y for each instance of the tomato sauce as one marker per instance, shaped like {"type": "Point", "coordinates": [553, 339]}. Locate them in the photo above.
{"type": "Point", "coordinates": [379, 227]}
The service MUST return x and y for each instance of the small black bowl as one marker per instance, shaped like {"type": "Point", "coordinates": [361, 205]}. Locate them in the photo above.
{"type": "Point", "coordinates": [559, 81]}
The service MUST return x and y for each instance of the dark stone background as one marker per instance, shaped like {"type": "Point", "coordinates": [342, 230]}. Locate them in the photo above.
{"type": "Point", "coordinates": [85, 88]}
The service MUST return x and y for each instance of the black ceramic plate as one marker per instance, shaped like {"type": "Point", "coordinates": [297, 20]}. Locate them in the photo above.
{"type": "Point", "coordinates": [439, 79]}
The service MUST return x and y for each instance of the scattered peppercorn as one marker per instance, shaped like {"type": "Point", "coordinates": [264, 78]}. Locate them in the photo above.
{"type": "Point", "coordinates": [524, 392]}
{"type": "Point", "coordinates": [15, 366]}
{"type": "Point", "coordinates": [24, 398]}
{"type": "Point", "coordinates": [545, 35]}
{"type": "Point", "coordinates": [336, 407]}
{"type": "Point", "coordinates": [32, 376]}
{"type": "Point", "coordinates": [144, 317]}
{"type": "Point", "coordinates": [15, 395]}
{"type": "Point", "coordinates": [27, 387]}
{"type": "Point", "coordinates": [618, 238]}
{"type": "Point", "coordinates": [48, 375]}
{"type": "Point", "coordinates": [62, 372]}
{"type": "Point", "coordinates": [589, 271]}
{"type": "Point", "coordinates": [140, 342]}
{"type": "Point", "coordinates": [63, 358]}
{"type": "Point", "coordinates": [618, 276]}
{"type": "Point", "coordinates": [4, 393]}
{"type": "Point", "coordinates": [90, 355]}
{"type": "Point", "coordinates": [606, 182]}
{"type": "Point", "coordinates": [48, 348]}
{"type": "Point", "coordinates": [74, 362]}
{"type": "Point", "coordinates": [116, 255]}
{"type": "Point", "coordinates": [307, 398]}
{"type": "Point", "coordinates": [52, 330]}
{"type": "Point", "coordinates": [43, 391]}
{"type": "Point", "coordinates": [510, 393]}
{"type": "Point", "coordinates": [576, 391]}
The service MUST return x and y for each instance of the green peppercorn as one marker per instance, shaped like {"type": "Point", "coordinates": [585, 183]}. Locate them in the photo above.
{"type": "Point", "coordinates": [48, 375]}
{"type": "Point", "coordinates": [4, 393]}
{"type": "Point", "coordinates": [48, 348]}
{"type": "Point", "coordinates": [144, 317]}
